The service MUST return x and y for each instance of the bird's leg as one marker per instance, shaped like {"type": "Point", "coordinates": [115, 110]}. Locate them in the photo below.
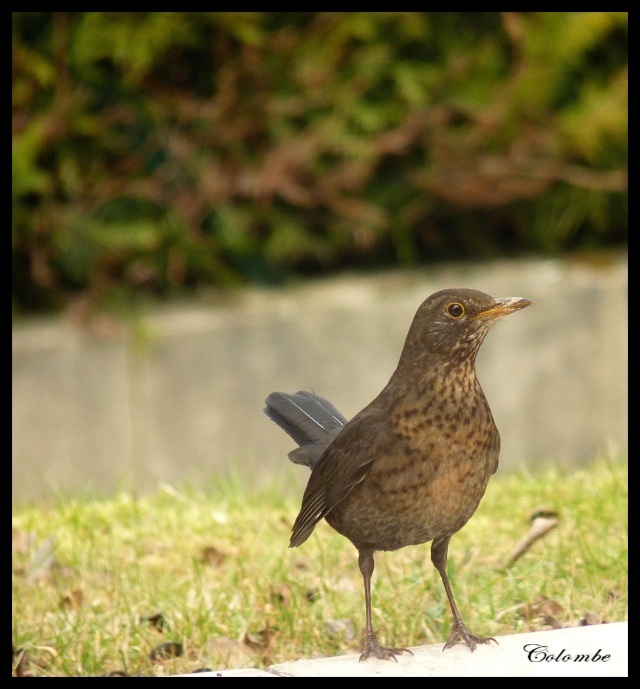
{"type": "Point", "coordinates": [439, 549]}
{"type": "Point", "coordinates": [371, 645]}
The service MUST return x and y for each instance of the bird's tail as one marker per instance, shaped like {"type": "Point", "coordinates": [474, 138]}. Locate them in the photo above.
{"type": "Point", "coordinates": [312, 421]}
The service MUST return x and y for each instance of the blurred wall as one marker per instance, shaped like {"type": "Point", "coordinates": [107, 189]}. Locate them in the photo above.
{"type": "Point", "coordinates": [94, 413]}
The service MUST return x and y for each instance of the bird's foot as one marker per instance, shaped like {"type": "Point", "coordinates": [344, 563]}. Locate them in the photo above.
{"type": "Point", "coordinates": [460, 632]}
{"type": "Point", "coordinates": [372, 647]}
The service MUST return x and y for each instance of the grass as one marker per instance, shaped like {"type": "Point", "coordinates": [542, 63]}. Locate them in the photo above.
{"type": "Point", "coordinates": [216, 570]}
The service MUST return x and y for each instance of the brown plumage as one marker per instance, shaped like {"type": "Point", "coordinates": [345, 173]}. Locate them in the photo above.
{"type": "Point", "coordinates": [413, 465]}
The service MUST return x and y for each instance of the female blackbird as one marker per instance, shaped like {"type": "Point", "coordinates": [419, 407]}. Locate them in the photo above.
{"type": "Point", "coordinates": [413, 465]}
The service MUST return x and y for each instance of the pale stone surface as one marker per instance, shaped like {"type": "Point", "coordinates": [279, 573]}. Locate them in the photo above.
{"type": "Point", "coordinates": [554, 653]}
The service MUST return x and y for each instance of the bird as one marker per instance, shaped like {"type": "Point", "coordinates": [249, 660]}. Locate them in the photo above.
{"type": "Point", "coordinates": [413, 465]}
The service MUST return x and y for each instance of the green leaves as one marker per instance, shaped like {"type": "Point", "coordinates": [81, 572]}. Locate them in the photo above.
{"type": "Point", "coordinates": [261, 144]}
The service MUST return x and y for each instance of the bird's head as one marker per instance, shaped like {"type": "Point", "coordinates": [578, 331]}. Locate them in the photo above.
{"type": "Point", "coordinates": [453, 322]}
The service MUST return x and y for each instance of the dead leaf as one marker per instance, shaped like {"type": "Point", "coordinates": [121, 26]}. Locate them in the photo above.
{"type": "Point", "coordinates": [169, 649]}
{"type": "Point", "coordinates": [21, 541]}
{"type": "Point", "coordinates": [590, 618]}
{"type": "Point", "coordinates": [37, 657]}
{"type": "Point", "coordinates": [261, 641]}
{"type": "Point", "coordinates": [158, 621]}
{"type": "Point", "coordinates": [540, 607]}
{"type": "Point", "coordinates": [282, 595]}
{"type": "Point", "coordinates": [72, 600]}
{"type": "Point", "coordinates": [545, 610]}
{"type": "Point", "coordinates": [312, 595]}
{"type": "Point", "coordinates": [212, 556]}
{"type": "Point", "coordinates": [21, 667]}
{"type": "Point", "coordinates": [226, 653]}
{"type": "Point", "coordinates": [545, 606]}
{"type": "Point", "coordinates": [552, 622]}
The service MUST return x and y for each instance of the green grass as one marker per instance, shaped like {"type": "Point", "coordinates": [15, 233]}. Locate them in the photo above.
{"type": "Point", "coordinates": [217, 565]}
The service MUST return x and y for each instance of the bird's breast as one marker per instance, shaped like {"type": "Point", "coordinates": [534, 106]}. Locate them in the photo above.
{"type": "Point", "coordinates": [427, 478]}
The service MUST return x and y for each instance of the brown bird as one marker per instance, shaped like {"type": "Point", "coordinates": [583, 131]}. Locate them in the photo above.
{"type": "Point", "coordinates": [413, 465]}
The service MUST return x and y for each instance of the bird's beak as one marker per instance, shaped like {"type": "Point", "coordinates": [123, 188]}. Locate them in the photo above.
{"type": "Point", "coordinates": [502, 307]}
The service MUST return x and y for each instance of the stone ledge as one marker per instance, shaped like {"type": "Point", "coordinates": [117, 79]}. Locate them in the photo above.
{"type": "Point", "coordinates": [550, 653]}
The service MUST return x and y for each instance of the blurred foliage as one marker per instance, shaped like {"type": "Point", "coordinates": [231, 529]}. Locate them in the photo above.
{"type": "Point", "coordinates": [160, 151]}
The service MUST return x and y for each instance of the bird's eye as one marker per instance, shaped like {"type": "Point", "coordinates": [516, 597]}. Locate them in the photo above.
{"type": "Point", "coordinates": [455, 310]}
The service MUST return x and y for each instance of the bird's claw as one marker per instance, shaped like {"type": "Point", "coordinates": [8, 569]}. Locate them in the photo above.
{"type": "Point", "coordinates": [460, 632]}
{"type": "Point", "coordinates": [372, 647]}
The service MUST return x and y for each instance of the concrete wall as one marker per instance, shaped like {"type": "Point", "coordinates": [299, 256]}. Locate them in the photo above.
{"type": "Point", "coordinates": [96, 413]}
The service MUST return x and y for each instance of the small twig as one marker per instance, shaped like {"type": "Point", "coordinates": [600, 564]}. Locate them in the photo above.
{"type": "Point", "coordinates": [542, 521]}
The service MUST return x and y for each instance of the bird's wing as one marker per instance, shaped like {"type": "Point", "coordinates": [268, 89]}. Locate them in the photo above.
{"type": "Point", "coordinates": [345, 463]}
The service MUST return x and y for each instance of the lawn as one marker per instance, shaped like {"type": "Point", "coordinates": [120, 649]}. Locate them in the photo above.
{"type": "Point", "coordinates": [202, 578]}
